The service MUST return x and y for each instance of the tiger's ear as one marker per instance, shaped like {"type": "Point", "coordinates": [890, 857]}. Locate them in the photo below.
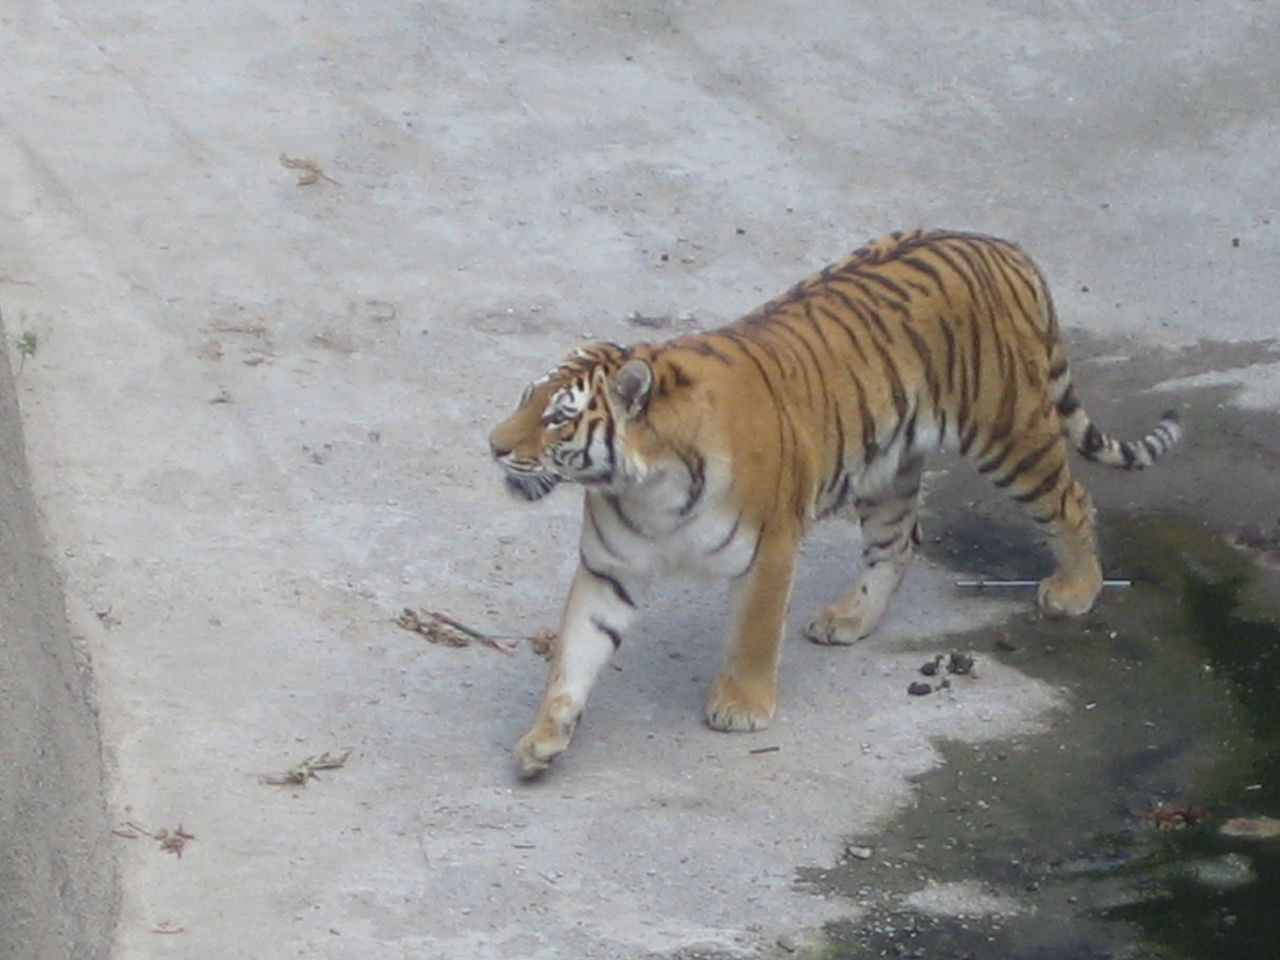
{"type": "Point", "coordinates": [630, 388]}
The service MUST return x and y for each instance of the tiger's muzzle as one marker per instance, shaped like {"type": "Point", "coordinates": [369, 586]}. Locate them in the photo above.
{"type": "Point", "coordinates": [531, 486]}
{"type": "Point", "coordinates": [526, 479]}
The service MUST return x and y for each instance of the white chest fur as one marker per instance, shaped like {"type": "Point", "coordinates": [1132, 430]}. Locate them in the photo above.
{"type": "Point", "coordinates": [658, 526]}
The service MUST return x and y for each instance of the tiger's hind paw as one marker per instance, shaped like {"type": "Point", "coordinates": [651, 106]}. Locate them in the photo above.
{"type": "Point", "coordinates": [832, 629]}
{"type": "Point", "coordinates": [732, 708]}
{"type": "Point", "coordinates": [1060, 596]}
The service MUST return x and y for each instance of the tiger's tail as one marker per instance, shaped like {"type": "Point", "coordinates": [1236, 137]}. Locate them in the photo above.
{"type": "Point", "coordinates": [1101, 447]}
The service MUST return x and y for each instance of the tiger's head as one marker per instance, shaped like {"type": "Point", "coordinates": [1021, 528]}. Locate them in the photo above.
{"type": "Point", "coordinates": [571, 424]}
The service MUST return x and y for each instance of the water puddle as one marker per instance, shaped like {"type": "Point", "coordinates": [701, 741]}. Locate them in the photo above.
{"type": "Point", "coordinates": [1104, 837]}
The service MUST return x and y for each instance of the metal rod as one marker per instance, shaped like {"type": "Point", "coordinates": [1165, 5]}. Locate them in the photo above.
{"type": "Point", "coordinates": [984, 584]}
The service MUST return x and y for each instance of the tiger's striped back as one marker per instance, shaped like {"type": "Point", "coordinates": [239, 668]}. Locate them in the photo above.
{"type": "Point", "coordinates": [917, 341]}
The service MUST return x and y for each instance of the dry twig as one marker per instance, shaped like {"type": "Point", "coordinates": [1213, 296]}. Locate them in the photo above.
{"type": "Point", "coordinates": [171, 841]}
{"type": "Point", "coordinates": [301, 773]}
{"type": "Point", "coordinates": [309, 173]}
{"type": "Point", "coordinates": [443, 629]}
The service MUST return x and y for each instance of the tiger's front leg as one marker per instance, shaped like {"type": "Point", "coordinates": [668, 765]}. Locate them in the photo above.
{"type": "Point", "coordinates": [598, 612]}
{"type": "Point", "coordinates": [744, 694]}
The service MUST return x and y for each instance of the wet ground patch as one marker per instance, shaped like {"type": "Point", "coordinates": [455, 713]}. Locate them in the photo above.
{"type": "Point", "coordinates": [1101, 838]}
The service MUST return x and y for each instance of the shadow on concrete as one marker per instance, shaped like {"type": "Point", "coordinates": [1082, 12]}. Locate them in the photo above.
{"type": "Point", "coordinates": [58, 892]}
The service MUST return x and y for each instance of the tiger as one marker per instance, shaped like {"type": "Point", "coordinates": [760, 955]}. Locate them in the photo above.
{"type": "Point", "coordinates": [711, 453]}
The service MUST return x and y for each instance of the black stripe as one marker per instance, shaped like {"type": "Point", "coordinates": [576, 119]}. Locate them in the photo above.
{"type": "Point", "coordinates": [612, 633]}
{"type": "Point", "coordinates": [909, 435]}
{"type": "Point", "coordinates": [870, 443]}
{"type": "Point", "coordinates": [1018, 266]}
{"type": "Point", "coordinates": [833, 317]}
{"type": "Point", "coordinates": [1069, 403]}
{"type": "Point", "coordinates": [777, 408]}
{"type": "Point", "coordinates": [703, 348]}
{"type": "Point", "coordinates": [790, 333]}
{"type": "Point", "coordinates": [864, 312]}
{"type": "Point", "coordinates": [610, 433]}
{"type": "Point", "coordinates": [875, 277]}
{"type": "Point", "coordinates": [895, 381]}
{"type": "Point", "coordinates": [1092, 441]}
{"type": "Point", "coordinates": [1043, 487]}
{"type": "Point", "coordinates": [1006, 412]}
{"type": "Point", "coordinates": [755, 552]}
{"type": "Point", "coordinates": [837, 465]}
{"type": "Point", "coordinates": [973, 274]}
{"type": "Point", "coordinates": [937, 250]}
{"type": "Point", "coordinates": [842, 497]}
{"type": "Point", "coordinates": [881, 546]}
{"type": "Point", "coordinates": [696, 464]}
{"type": "Point", "coordinates": [949, 336]}
{"type": "Point", "coordinates": [921, 348]}
{"type": "Point", "coordinates": [733, 532]}
{"type": "Point", "coordinates": [616, 505]}
{"type": "Point", "coordinates": [584, 453]}
{"type": "Point", "coordinates": [616, 585]}
{"type": "Point", "coordinates": [1026, 463]}
{"type": "Point", "coordinates": [929, 270]}
{"type": "Point", "coordinates": [831, 407]}
{"type": "Point", "coordinates": [986, 466]}
{"type": "Point", "coordinates": [595, 526]}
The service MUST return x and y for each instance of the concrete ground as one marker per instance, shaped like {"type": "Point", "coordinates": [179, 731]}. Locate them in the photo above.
{"type": "Point", "coordinates": [270, 272]}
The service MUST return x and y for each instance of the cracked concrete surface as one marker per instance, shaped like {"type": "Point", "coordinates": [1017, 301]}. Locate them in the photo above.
{"type": "Point", "coordinates": [257, 411]}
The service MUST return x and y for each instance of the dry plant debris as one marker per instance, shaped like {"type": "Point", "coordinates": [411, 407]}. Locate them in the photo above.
{"type": "Point", "coordinates": [309, 173]}
{"type": "Point", "coordinates": [544, 642]}
{"type": "Point", "coordinates": [1263, 544]}
{"type": "Point", "coordinates": [1176, 816]}
{"type": "Point", "coordinates": [443, 629]}
{"type": "Point", "coordinates": [300, 774]}
{"type": "Point", "coordinates": [171, 841]}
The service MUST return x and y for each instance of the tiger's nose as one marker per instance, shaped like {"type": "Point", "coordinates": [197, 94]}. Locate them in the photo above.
{"type": "Point", "coordinates": [497, 449]}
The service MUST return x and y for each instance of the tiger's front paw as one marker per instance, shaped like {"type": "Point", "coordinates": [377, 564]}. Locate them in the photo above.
{"type": "Point", "coordinates": [537, 748]}
{"type": "Point", "coordinates": [734, 707]}
{"type": "Point", "coordinates": [831, 628]}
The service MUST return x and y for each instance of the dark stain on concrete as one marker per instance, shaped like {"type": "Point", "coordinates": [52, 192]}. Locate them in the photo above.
{"type": "Point", "coordinates": [1171, 688]}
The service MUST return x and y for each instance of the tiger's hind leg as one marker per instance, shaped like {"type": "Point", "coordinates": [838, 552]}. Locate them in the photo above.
{"type": "Point", "coordinates": [890, 534]}
{"type": "Point", "coordinates": [1035, 472]}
